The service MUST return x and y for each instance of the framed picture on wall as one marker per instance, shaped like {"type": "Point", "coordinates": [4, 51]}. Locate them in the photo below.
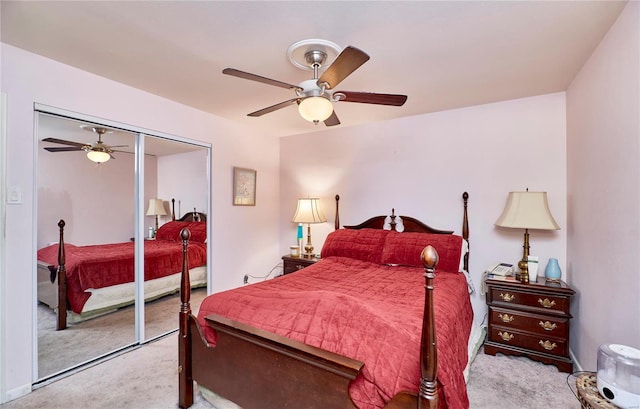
{"type": "Point", "coordinates": [244, 187]}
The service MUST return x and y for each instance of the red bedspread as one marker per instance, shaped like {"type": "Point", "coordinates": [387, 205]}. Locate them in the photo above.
{"type": "Point", "coordinates": [99, 266]}
{"type": "Point", "coordinates": [366, 311]}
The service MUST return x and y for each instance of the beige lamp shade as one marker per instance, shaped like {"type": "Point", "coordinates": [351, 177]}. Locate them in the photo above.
{"type": "Point", "coordinates": [527, 210]}
{"type": "Point", "coordinates": [156, 208]}
{"type": "Point", "coordinates": [308, 211]}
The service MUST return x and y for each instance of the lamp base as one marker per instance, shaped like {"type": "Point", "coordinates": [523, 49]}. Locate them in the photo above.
{"type": "Point", "coordinates": [524, 271]}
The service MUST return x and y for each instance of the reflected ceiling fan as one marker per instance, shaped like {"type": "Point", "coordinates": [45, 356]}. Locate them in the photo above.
{"type": "Point", "coordinates": [98, 152]}
{"type": "Point", "coordinates": [315, 97]}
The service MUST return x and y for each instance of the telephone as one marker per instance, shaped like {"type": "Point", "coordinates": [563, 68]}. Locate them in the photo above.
{"type": "Point", "coordinates": [500, 269]}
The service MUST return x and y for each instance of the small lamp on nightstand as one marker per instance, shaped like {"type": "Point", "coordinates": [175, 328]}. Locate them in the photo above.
{"type": "Point", "coordinates": [527, 210]}
{"type": "Point", "coordinates": [309, 212]}
{"type": "Point", "coordinates": [156, 208]}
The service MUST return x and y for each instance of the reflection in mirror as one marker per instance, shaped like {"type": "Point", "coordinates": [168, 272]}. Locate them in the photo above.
{"type": "Point", "coordinates": [96, 197]}
{"type": "Point", "coordinates": [96, 201]}
{"type": "Point", "coordinates": [175, 176]}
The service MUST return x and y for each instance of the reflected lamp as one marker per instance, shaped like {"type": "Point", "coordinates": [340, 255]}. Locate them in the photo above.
{"type": "Point", "coordinates": [156, 208]}
{"type": "Point", "coordinates": [527, 210]}
{"type": "Point", "coordinates": [309, 212]}
{"type": "Point", "coordinates": [98, 156]}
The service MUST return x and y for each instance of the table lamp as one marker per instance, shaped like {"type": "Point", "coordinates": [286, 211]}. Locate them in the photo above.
{"type": "Point", "coordinates": [156, 208]}
{"type": "Point", "coordinates": [527, 210]}
{"type": "Point", "coordinates": [309, 212]}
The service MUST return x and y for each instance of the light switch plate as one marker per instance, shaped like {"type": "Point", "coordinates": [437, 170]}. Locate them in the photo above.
{"type": "Point", "coordinates": [15, 195]}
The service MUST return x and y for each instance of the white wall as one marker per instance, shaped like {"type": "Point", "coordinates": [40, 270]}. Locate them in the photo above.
{"type": "Point", "coordinates": [421, 165]}
{"type": "Point", "coordinates": [243, 238]}
{"type": "Point", "coordinates": [603, 144]}
{"type": "Point", "coordinates": [188, 191]}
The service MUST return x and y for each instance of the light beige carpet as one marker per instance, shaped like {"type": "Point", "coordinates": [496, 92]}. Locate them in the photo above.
{"type": "Point", "coordinates": [147, 378]}
{"type": "Point", "coordinates": [83, 341]}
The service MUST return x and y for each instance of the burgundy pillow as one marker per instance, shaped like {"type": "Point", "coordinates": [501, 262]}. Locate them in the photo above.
{"type": "Point", "coordinates": [362, 244]}
{"type": "Point", "coordinates": [171, 231]}
{"type": "Point", "coordinates": [198, 231]}
{"type": "Point", "coordinates": [405, 249]}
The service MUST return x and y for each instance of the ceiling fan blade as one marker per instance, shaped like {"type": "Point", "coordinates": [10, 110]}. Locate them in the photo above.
{"type": "Point", "coordinates": [370, 98]}
{"type": "Point", "coordinates": [68, 149]}
{"type": "Point", "coordinates": [332, 120]}
{"type": "Point", "coordinates": [63, 142]}
{"type": "Point", "coordinates": [258, 78]}
{"type": "Point", "coordinates": [347, 62]}
{"type": "Point", "coordinates": [274, 107]}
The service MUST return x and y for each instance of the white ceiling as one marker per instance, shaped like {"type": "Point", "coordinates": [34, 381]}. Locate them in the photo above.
{"type": "Point", "coordinates": [443, 55]}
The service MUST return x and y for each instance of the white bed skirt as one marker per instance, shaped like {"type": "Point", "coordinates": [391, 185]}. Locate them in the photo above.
{"type": "Point", "coordinates": [105, 300]}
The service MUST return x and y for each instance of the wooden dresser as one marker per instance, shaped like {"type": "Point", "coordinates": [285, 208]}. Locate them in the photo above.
{"type": "Point", "coordinates": [530, 320]}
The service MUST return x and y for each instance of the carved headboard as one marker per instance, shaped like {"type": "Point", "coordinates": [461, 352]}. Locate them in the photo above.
{"type": "Point", "coordinates": [194, 216]}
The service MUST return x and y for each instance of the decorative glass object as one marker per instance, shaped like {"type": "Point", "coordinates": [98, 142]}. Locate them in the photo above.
{"type": "Point", "coordinates": [552, 272]}
{"type": "Point", "coordinates": [532, 264]}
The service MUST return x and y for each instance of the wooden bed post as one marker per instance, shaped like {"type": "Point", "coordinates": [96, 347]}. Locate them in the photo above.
{"type": "Point", "coordinates": [185, 375]}
{"type": "Point", "coordinates": [428, 393]}
{"type": "Point", "coordinates": [173, 210]}
{"type": "Point", "coordinates": [62, 282]}
{"type": "Point", "coordinates": [336, 223]}
{"type": "Point", "coordinates": [465, 230]}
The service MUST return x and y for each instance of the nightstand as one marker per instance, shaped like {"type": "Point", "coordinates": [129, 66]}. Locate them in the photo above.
{"type": "Point", "coordinates": [530, 320]}
{"type": "Point", "coordinates": [293, 264]}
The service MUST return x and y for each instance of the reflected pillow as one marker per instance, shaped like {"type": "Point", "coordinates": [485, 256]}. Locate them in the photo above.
{"type": "Point", "coordinates": [171, 231]}
{"type": "Point", "coordinates": [198, 231]}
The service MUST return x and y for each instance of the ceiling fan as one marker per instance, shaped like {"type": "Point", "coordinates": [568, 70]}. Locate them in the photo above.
{"type": "Point", "coordinates": [315, 97]}
{"type": "Point", "coordinates": [98, 152]}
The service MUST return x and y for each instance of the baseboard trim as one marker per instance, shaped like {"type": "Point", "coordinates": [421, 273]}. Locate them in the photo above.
{"type": "Point", "coordinates": [17, 392]}
{"type": "Point", "coordinates": [576, 365]}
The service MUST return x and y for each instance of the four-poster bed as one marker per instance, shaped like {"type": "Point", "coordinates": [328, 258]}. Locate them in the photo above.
{"type": "Point", "coordinates": [286, 342]}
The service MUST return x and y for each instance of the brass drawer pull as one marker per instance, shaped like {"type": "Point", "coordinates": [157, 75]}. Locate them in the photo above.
{"type": "Point", "coordinates": [507, 297]}
{"type": "Point", "coordinates": [299, 266]}
{"type": "Point", "coordinates": [505, 317]}
{"type": "Point", "coordinates": [506, 336]}
{"type": "Point", "coordinates": [546, 303]}
{"type": "Point", "coordinates": [547, 345]}
{"type": "Point", "coordinates": [547, 326]}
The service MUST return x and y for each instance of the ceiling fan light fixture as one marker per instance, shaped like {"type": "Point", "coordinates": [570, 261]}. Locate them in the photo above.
{"type": "Point", "coordinates": [98, 156]}
{"type": "Point", "coordinates": [315, 109]}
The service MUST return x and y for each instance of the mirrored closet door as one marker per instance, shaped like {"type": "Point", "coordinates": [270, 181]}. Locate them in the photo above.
{"type": "Point", "coordinates": [94, 176]}
{"type": "Point", "coordinates": [175, 186]}
{"type": "Point", "coordinates": [96, 201]}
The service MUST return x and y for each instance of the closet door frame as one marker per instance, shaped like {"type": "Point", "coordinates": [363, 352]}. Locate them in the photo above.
{"type": "Point", "coordinates": [140, 134]}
